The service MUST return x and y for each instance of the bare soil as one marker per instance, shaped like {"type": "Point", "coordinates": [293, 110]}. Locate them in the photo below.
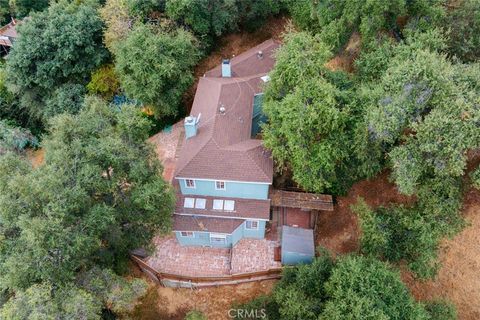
{"type": "Point", "coordinates": [338, 230]}
{"type": "Point", "coordinates": [36, 157]}
{"type": "Point", "coordinates": [162, 303]}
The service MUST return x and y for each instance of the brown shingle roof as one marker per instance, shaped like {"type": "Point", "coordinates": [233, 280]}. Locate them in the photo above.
{"type": "Point", "coordinates": [7, 33]}
{"type": "Point", "coordinates": [244, 208]}
{"type": "Point", "coordinates": [223, 148]}
{"type": "Point", "coordinates": [191, 223]}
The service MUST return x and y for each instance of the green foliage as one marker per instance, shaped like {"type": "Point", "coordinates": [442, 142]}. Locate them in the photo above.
{"type": "Point", "coordinates": [352, 287]}
{"type": "Point", "coordinates": [195, 315]}
{"type": "Point", "coordinates": [114, 291]}
{"type": "Point", "coordinates": [99, 194]}
{"type": "Point", "coordinates": [14, 138]}
{"type": "Point", "coordinates": [143, 8]}
{"type": "Point", "coordinates": [156, 67]}
{"type": "Point", "coordinates": [366, 288]}
{"type": "Point", "coordinates": [67, 98]}
{"type": "Point", "coordinates": [464, 24]}
{"type": "Point", "coordinates": [253, 13]}
{"type": "Point", "coordinates": [207, 19]}
{"type": "Point", "coordinates": [399, 233]}
{"type": "Point", "coordinates": [104, 82]}
{"type": "Point", "coordinates": [475, 176]}
{"type": "Point", "coordinates": [73, 34]}
{"type": "Point", "coordinates": [441, 310]}
{"type": "Point", "coordinates": [302, 14]}
{"type": "Point", "coordinates": [5, 12]}
{"type": "Point", "coordinates": [307, 129]}
{"type": "Point", "coordinates": [45, 301]}
{"type": "Point", "coordinates": [23, 8]}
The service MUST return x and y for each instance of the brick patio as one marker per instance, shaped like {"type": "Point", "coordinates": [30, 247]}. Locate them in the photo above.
{"type": "Point", "coordinates": [251, 255]}
{"type": "Point", "coordinates": [248, 255]}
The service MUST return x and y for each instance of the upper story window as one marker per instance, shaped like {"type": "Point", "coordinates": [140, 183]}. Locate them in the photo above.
{"type": "Point", "coordinates": [188, 234]}
{"type": "Point", "coordinates": [219, 185]}
{"type": "Point", "coordinates": [217, 204]}
{"type": "Point", "coordinates": [188, 202]}
{"type": "Point", "coordinates": [251, 224]}
{"type": "Point", "coordinates": [189, 183]}
{"type": "Point", "coordinates": [200, 203]}
{"type": "Point", "coordinates": [229, 205]}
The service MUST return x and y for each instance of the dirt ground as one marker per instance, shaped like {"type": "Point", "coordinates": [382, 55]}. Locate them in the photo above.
{"type": "Point", "coordinates": [338, 230]}
{"type": "Point", "coordinates": [162, 303]}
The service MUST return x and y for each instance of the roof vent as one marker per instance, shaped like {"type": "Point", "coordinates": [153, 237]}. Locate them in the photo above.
{"type": "Point", "coordinates": [222, 109]}
{"type": "Point", "coordinates": [260, 54]}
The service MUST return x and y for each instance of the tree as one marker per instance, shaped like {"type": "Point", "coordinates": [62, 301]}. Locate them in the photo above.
{"type": "Point", "coordinates": [308, 117]}
{"type": "Point", "coordinates": [207, 19]}
{"type": "Point", "coordinates": [67, 97]}
{"type": "Point", "coordinates": [155, 67]}
{"type": "Point", "coordinates": [195, 315]}
{"type": "Point", "coordinates": [365, 288]}
{"type": "Point", "coordinates": [73, 34]}
{"type": "Point", "coordinates": [104, 82]}
{"type": "Point", "coordinates": [44, 301]}
{"type": "Point", "coordinates": [253, 13]}
{"type": "Point", "coordinates": [464, 24]}
{"type": "Point", "coordinates": [98, 195]}
{"type": "Point", "coordinates": [5, 12]}
{"type": "Point", "coordinates": [351, 287]}
{"type": "Point", "coordinates": [118, 22]}
{"type": "Point", "coordinates": [23, 8]}
{"type": "Point", "coordinates": [14, 138]}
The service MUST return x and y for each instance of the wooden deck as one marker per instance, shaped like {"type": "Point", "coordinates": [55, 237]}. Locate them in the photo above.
{"type": "Point", "coordinates": [303, 200]}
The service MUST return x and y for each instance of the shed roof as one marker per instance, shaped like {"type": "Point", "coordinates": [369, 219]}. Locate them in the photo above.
{"type": "Point", "coordinates": [7, 33]}
{"type": "Point", "coordinates": [298, 240]}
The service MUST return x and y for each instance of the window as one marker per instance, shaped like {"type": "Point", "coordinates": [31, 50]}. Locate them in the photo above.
{"type": "Point", "coordinates": [229, 205]}
{"type": "Point", "coordinates": [217, 204]}
{"type": "Point", "coordinates": [219, 185]}
{"type": "Point", "coordinates": [200, 203]}
{"type": "Point", "coordinates": [189, 183]}
{"type": "Point", "coordinates": [216, 238]}
{"type": "Point", "coordinates": [188, 202]}
{"type": "Point", "coordinates": [252, 224]}
{"type": "Point", "coordinates": [188, 234]}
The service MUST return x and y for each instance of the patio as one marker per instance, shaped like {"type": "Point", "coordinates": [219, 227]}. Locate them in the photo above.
{"type": "Point", "coordinates": [248, 255]}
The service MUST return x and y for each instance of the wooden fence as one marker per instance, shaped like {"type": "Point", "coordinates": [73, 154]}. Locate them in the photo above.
{"type": "Point", "coordinates": [175, 280]}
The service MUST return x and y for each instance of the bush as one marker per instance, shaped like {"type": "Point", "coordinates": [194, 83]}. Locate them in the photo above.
{"type": "Point", "coordinates": [104, 82]}
{"type": "Point", "coordinates": [195, 315]}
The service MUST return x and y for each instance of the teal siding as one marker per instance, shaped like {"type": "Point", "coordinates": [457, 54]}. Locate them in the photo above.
{"type": "Point", "coordinates": [232, 189]}
{"type": "Point", "coordinates": [259, 233]}
{"type": "Point", "coordinates": [203, 238]}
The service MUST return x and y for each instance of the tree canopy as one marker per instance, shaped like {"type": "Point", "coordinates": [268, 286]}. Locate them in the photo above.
{"type": "Point", "coordinates": [98, 195]}
{"type": "Point", "coordinates": [352, 287]}
{"type": "Point", "coordinates": [154, 67]}
{"type": "Point", "coordinates": [73, 35]}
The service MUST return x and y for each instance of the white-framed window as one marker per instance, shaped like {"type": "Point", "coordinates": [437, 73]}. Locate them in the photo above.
{"type": "Point", "coordinates": [190, 183]}
{"type": "Point", "coordinates": [229, 205]}
{"type": "Point", "coordinates": [187, 234]}
{"type": "Point", "coordinates": [217, 238]}
{"type": "Point", "coordinates": [219, 185]}
{"type": "Point", "coordinates": [251, 224]}
{"type": "Point", "coordinates": [188, 203]}
{"type": "Point", "coordinates": [217, 204]}
{"type": "Point", "coordinates": [200, 203]}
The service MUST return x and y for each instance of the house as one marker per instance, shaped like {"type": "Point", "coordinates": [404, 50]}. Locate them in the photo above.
{"type": "Point", "coordinates": [8, 35]}
{"type": "Point", "coordinates": [223, 174]}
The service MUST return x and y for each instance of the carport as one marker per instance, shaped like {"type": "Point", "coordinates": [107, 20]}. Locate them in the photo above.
{"type": "Point", "coordinates": [297, 245]}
